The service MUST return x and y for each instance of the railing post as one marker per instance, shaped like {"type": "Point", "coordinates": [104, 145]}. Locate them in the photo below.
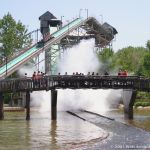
{"type": "Point", "coordinates": [53, 104]}
{"type": "Point", "coordinates": [1, 106]}
{"type": "Point", "coordinates": [27, 105]}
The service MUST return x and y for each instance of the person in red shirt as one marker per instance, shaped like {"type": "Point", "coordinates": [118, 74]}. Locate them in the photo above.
{"type": "Point", "coordinates": [125, 73]}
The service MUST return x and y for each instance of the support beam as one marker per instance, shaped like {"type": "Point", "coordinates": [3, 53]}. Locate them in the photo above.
{"type": "Point", "coordinates": [1, 106]}
{"type": "Point", "coordinates": [27, 105]}
{"type": "Point", "coordinates": [53, 104]}
{"type": "Point", "coordinates": [129, 97]}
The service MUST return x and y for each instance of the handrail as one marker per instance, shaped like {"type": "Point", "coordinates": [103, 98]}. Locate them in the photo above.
{"type": "Point", "coordinates": [75, 82]}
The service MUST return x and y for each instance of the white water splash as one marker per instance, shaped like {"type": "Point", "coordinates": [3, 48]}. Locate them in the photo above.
{"type": "Point", "coordinates": [80, 58]}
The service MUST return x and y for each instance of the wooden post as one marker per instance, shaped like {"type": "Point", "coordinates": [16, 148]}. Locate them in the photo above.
{"type": "Point", "coordinates": [53, 104]}
{"type": "Point", "coordinates": [129, 97]}
{"type": "Point", "coordinates": [1, 106]}
{"type": "Point", "coordinates": [27, 105]}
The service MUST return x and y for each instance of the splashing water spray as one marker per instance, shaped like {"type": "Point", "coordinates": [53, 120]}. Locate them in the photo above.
{"type": "Point", "coordinates": [82, 59]}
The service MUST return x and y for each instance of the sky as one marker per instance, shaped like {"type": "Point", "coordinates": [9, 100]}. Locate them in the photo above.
{"type": "Point", "coordinates": [131, 18]}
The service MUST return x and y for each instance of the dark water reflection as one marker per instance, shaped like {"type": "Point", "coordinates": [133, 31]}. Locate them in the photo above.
{"type": "Point", "coordinates": [41, 133]}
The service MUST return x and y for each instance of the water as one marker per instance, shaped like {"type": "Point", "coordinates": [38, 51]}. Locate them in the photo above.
{"type": "Point", "coordinates": [121, 135]}
{"type": "Point", "coordinates": [41, 133]}
{"type": "Point", "coordinates": [66, 133]}
{"type": "Point", "coordinates": [141, 118]}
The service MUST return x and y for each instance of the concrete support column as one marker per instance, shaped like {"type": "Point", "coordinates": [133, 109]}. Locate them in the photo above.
{"type": "Point", "coordinates": [27, 105]}
{"type": "Point", "coordinates": [53, 104]}
{"type": "Point", "coordinates": [129, 97]}
{"type": "Point", "coordinates": [1, 106]}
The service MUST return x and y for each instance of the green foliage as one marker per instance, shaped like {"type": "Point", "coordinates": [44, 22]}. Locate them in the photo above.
{"type": "Point", "coordinates": [144, 104]}
{"type": "Point", "coordinates": [129, 59]}
{"type": "Point", "coordinates": [12, 35]}
{"type": "Point", "coordinates": [146, 64]}
{"type": "Point", "coordinates": [136, 60]}
{"type": "Point", "coordinates": [145, 95]}
{"type": "Point", "coordinates": [105, 57]}
{"type": "Point", "coordinates": [148, 44]}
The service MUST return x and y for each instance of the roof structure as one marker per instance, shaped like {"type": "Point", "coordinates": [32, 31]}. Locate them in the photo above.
{"type": "Point", "coordinates": [47, 16]}
{"type": "Point", "coordinates": [109, 28]}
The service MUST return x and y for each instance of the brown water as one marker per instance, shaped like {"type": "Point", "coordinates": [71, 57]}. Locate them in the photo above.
{"type": "Point", "coordinates": [41, 133]}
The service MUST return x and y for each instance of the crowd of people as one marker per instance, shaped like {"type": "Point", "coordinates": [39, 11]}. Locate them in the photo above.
{"type": "Point", "coordinates": [40, 79]}
{"type": "Point", "coordinates": [39, 75]}
{"type": "Point", "coordinates": [122, 73]}
{"type": "Point", "coordinates": [88, 74]}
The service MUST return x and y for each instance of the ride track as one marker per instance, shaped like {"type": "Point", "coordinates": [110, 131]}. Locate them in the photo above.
{"type": "Point", "coordinates": [25, 55]}
{"type": "Point", "coordinates": [34, 50]}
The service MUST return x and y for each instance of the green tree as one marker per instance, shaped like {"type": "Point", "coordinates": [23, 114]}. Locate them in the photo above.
{"type": "Point", "coordinates": [12, 35]}
{"type": "Point", "coordinates": [146, 64]}
{"type": "Point", "coordinates": [129, 59]}
{"type": "Point", "coordinates": [148, 44]}
{"type": "Point", "coordinates": [105, 57]}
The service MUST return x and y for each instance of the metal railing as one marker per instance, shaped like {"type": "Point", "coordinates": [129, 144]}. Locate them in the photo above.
{"type": "Point", "coordinates": [75, 82]}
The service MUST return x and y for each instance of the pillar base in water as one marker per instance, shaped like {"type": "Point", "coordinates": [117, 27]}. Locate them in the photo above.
{"type": "Point", "coordinates": [53, 104]}
{"type": "Point", "coordinates": [27, 105]}
{"type": "Point", "coordinates": [1, 106]}
{"type": "Point", "coordinates": [129, 97]}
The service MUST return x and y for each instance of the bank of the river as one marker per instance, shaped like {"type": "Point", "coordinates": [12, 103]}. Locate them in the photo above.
{"type": "Point", "coordinates": [13, 109]}
{"type": "Point", "coordinates": [121, 106]}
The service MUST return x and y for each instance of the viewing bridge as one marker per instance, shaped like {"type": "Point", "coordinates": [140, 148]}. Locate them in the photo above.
{"type": "Point", "coordinates": [53, 82]}
{"type": "Point", "coordinates": [129, 84]}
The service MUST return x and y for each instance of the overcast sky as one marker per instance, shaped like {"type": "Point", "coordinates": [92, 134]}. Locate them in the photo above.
{"type": "Point", "coordinates": [131, 18]}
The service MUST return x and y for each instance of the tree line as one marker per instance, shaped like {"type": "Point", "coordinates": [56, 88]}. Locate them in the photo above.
{"type": "Point", "coordinates": [136, 60]}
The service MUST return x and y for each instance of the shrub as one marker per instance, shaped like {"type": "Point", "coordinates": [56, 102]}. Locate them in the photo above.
{"type": "Point", "coordinates": [144, 104]}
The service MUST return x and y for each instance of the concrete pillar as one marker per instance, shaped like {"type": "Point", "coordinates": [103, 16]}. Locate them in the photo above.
{"type": "Point", "coordinates": [129, 97]}
{"type": "Point", "coordinates": [53, 104]}
{"type": "Point", "coordinates": [27, 105]}
{"type": "Point", "coordinates": [1, 106]}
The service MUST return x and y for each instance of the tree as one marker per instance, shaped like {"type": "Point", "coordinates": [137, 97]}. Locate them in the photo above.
{"type": "Point", "coordinates": [129, 59]}
{"type": "Point", "coordinates": [148, 44]}
{"type": "Point", "coordinates": [12, 35]}
{"type": "Point", "coordinates": [146, 64]}
{"type": "Point", "coordinates": [105, 57]}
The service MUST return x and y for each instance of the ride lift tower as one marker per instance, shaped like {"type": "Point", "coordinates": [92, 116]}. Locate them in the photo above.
{"type": "Point", "coordinates": [48, 25]}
